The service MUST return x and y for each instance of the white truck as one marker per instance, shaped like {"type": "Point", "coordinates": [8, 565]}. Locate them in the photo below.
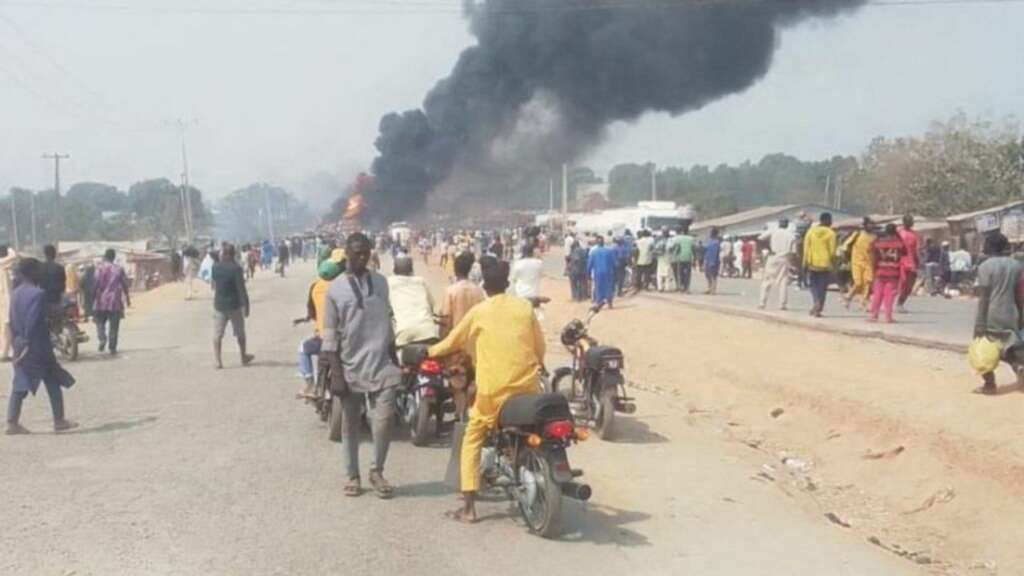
{"type": "Point", "coordinates": [649, 215]}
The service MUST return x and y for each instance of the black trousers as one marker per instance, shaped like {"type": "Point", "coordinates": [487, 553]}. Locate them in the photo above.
{"type": "Point", "coordinates": [102, 320]}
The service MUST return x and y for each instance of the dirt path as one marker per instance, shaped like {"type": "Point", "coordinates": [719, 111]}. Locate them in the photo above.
{"type": "Point", "coordinates": [897, 446]}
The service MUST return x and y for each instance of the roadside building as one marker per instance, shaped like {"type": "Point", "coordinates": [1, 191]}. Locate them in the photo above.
{"type": "Point", "coordinates": [972, 226]}
{"type": "Point", "coordinates": [753, 222]}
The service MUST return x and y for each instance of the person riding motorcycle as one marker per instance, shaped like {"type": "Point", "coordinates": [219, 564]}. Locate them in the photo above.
{"type": "Point", "coordinates": [509, 352]}
{"type": "Point", "coordinates": [413, 305]}
{"type": "Point", "coordinates": [326, 273]}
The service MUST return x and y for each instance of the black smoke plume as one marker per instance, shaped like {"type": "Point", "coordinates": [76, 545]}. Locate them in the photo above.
{"type": "Point", "coordinates": [546, 77]}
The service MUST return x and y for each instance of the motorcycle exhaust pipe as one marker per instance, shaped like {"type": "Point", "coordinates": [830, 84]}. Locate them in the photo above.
{"type": "Point", "coordinates": [577, 491]}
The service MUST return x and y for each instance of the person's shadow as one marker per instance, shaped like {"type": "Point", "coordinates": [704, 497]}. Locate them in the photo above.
{"type": "Point", "coordinates": [113, 426]}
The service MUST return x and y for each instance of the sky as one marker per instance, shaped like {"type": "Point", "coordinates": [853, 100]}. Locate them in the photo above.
{"type": "Point", "coordinates": [280, 91]}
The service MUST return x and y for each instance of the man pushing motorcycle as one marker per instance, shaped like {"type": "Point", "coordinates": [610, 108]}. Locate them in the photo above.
{"type": "Point", "coordinates": [509, 352]}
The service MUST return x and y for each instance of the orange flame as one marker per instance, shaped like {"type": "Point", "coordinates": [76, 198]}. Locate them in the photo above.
{"type": "Point", "coordinates": [355, 207]}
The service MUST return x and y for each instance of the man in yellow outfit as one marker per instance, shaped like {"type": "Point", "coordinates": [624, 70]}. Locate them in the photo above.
{"type": "Point", "coordinates": [862, 262]}
{"type": "Point", "coordinates": [819, 260]}
{"type": "Point", "coordinates": [508, 345]}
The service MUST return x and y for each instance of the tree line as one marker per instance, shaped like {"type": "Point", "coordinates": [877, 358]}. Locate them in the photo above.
{"type": "Point", "coordinates": [958, 165]}
{"type": "Point", "coordinates": [150, 209]}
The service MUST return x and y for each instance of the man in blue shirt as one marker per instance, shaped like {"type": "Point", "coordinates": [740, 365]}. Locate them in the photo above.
{"type": "Point", "coordinates": [601, 268]}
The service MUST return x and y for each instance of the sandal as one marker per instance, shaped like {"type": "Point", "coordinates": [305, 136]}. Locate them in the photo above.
{"type": "Point", "coordinates": [381, 486]}
{"type": "Point", "coordinates": [353, 488]}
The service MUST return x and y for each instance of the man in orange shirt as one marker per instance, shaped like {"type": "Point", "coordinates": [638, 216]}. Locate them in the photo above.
{"type": "Point", "coordinates": [458, 300]}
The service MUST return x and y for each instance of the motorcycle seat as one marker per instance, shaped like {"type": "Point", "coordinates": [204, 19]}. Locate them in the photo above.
{"type": "Point", "coordinates": [534, 409]}
{"type": "Point", "coordinates": [413, 353]}
{"type": "Point", "coordinates": [596, 354]}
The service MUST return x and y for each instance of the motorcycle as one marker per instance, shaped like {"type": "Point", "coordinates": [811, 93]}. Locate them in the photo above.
{"type": "Point", "coordinates": [594, 384]}
{"type": "Point", "coordinates": [425, 395]}
{"type": "Point", "coordinates": [64, 331]}
{"type": "Point", "coordinates": [525, 457]}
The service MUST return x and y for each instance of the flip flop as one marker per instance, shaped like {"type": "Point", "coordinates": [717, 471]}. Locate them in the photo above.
{"type": "Point", "coordinates": [381, 487]}
{"type": "Point", "coordinates": [353, 488]}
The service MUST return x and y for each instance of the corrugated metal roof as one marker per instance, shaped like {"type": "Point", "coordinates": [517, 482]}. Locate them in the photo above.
{"type": "Point", "coordinates": [975, 214]}
{"type": "Point", "coordinates": [739, 217]}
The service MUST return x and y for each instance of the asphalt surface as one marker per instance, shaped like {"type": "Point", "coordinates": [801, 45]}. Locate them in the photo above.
{"type": "Point", "coordinates": [182, 469]}
{"type": "Point", "coordinates": [945, 321]}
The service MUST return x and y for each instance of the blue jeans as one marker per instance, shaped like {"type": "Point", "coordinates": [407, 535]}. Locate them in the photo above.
{"type": "Point", "coordinates": [307, 349]}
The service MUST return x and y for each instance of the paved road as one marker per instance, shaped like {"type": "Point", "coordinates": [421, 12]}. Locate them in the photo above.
{"type": "Point", "coordinates": [936, 319]}
{"type": "Point", "coordinates": [180, 469]}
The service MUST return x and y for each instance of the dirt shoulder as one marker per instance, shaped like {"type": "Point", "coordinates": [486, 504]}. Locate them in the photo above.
{"type": "Point", "coordinates": [894, 443]}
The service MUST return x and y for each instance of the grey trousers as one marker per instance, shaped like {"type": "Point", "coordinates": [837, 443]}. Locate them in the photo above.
{"type": "Point", "coordinates": [381, 416]}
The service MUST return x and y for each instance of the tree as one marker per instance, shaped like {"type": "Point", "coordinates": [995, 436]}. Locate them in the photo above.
{"type": "Point", "coordinates": [244, 213]}
{"type": "Point", "coordinates": [157, 205]}
{"type": "Point", "coordinates": [958, 166]}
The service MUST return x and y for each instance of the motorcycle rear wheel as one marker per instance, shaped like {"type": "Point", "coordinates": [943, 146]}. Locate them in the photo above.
{"type": "Point", "coordinates": [538, 495]}
{"type": "Point", "coordinates": [419, 429]}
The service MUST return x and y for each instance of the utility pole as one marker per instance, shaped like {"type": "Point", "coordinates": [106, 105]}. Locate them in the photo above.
{"type": "Point", "coordinates": [186, 217]}
{"type": "Point", "coordinates": [565, 196]}
{"type": "Point", "coordinates": [32, 215]}
{"type": "Point", "coordinates": [14, 222]}
{"type": "Point", "coordinates": [828, 184]}
{"type": "Point", "coordinates": [654, 182]}
{"type": "Point", "coordinates": [270, 214]}
{"type": "Point", "coordinates": [57, 157]}
{"type": "Point", "coordinates": [839, 193]}
{"type": "Point", "coordinates": [182, 125]}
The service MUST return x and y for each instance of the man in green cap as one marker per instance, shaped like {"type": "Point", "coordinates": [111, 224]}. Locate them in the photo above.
{"type": "Point", "coordinates": [328, 270]}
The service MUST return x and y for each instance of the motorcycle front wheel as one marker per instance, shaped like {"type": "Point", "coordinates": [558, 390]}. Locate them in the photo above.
{"type": "Point", "coordinates": [334, 419]}
{"type": "Point", "coordinates": [538, 495]}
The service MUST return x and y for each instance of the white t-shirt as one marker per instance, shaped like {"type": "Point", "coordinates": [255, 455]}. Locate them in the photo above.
{"type": "Point", "coordinates": [525, 277]}
{"type": "Point", "coordinates": [781, 241]}
{"type": "Point", "coordinates": [960, 261]}
{"type": "Point", "coordinates": [413, 308]}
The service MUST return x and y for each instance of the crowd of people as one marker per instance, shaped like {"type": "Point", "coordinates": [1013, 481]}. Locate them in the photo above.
{"type": "Point", "coordinates": [35, 296]}
{"type": "Point", "coordinates": [485, 329]}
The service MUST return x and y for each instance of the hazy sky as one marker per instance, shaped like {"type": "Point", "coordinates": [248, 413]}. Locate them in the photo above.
{"type": "Point", "coordinates": [282, 89]}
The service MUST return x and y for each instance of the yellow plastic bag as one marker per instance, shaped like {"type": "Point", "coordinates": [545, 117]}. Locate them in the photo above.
{"type": "Point", "coordinates": [984, 355]}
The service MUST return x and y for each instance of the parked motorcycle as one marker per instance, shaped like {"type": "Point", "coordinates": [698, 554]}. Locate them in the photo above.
{"type": "Point", "coordinates": [594, 384]}
{"type": "Point", "coordinates": [526, 458]}
{"type": "Point", "coordinates": [425, 395]}
{"type": "Point", "coordinates": [64, 331]}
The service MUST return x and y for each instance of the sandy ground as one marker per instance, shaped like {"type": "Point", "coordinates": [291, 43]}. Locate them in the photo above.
{"type": "Point", "coordinates": [181, 469]}
{"type": "Point", "coordinates": [894, 443]}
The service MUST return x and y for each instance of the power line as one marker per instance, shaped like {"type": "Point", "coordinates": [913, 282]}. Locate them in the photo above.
{"type": "Point", "coordinates": [43, 53]}
{"type": "Point", "coordinates": [410, 7]}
